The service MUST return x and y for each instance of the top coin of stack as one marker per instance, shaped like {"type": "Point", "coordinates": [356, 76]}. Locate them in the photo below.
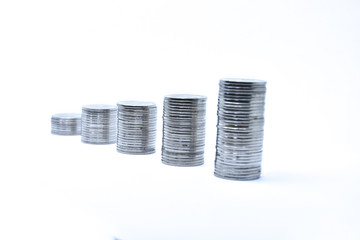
{"type": "Point", "coordinates": [136, 127]}
{"type": "Point", "coordinates": [66, 124]}
{"type": "Point", "coordinates": [99, 124]}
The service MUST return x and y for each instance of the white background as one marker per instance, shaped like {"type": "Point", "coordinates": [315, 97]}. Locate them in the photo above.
{"type": "Point", "coordinates": [56, 56]}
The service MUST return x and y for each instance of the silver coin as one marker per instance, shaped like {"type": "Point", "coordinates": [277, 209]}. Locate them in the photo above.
{"type": "Point", "coordinates": [238, 175]}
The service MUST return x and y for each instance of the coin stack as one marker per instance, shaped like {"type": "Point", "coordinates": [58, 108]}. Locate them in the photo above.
{"type": "Point", "coordinates": [183, 130]}
{"type": "Point", "coordinates": [98, 124]}
{"type": "Point", "coordinates": [240, 129]}
{"type": "Point", "coordinates": [66, 124]}
{"type": "Point", "coordinates": [136, 127]}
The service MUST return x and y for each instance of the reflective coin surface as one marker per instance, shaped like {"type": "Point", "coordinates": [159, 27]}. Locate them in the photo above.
{"type": "Point", "coordinates": [240, 128]}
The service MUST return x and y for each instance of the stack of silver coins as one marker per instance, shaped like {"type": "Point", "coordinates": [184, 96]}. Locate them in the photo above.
{"type": "Point", "coordinates": [183, 139]}
{"type": "Point", "coordinates": [99, 124]}
{"type": "Point", "coordinates": [136, 127]}
{"type": "Point", "coordinates": [240, 129]}
{"type": "Point", "coordinates": [66, 124]}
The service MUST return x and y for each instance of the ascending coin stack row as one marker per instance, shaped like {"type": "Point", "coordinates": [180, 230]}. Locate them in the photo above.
{"type": "Point", "coordinates": [132, 125]}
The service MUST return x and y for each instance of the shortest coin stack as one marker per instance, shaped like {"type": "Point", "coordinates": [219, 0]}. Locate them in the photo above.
{"type": "Point", "coordinates": [66, 124]}
{"type": "Point", "coordinates": [136, 127]}
{"type": "Point", "coordinates": [98, 124]}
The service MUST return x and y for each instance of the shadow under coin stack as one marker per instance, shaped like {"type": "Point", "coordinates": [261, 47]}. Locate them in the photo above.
{"type": "Point", "coordinates": [183, 130]}
{"type": "Point", "coordinates": [136, 127]}
{"type": "Point", "coordinates": [66, 124]}
{"type": "Point", "coordinates": [240, 129]}
{"type": "Point", "coordinates": [99, 124]}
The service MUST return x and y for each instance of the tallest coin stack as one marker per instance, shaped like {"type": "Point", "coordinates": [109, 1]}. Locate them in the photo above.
{"type": "Point", "coordinates": [240, 128]}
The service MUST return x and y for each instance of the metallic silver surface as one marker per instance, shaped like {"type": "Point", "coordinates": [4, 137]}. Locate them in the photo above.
{"type": "Point", "coordinates": [66, 124]}
{"type": "Point", "coordinates": [183, 139]}
{"type": "Point", "coordinates": [136, 127]}
{"type": "Point", "coordinates": [240, 128]}
{"type": "Point", "coordinates": [99, 124]}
